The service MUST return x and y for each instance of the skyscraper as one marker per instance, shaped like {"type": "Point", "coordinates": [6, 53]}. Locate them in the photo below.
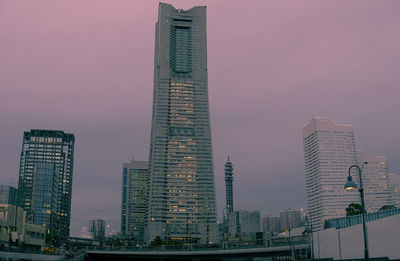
{"type": "Point", "coordinates": [45, 178]}
{"type": "Point", "coordinates": [229, 186]}
{"type": "Point", "coordinates": [135, 177]}
{"type": "Point", "coordinates": [329, 150]}
{"type": "Point", "coordinates": [375, 180]}
{"type": "Point", "coordinates": [181, 192]}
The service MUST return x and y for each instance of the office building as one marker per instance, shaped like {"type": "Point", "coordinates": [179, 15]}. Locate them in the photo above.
{"type": "Point", "coordinates": [394, 188]}
{"type": "Point", "coordinates": [97, 229]}
{"type": "Point", "coordinates": [329, 150]}
{"type": "Point", "coordinates": [8, 195]}
{"type": "Point", "coordinates": [375, 180]}
{"type": "Point", "coordinates": [46, 166]}
{"type": "Point", "coordinates": [271, 224]}
{"type": "Point", "coordinates": [229, 186]}
{"type": "Point", "coordinates": [135, 177]}
{"type": "Point", "coordinates": [44, 196]}
{"type": "Point", "coordinates": [181, 188]}
{"type": "Point", "coordinates": [289, 218]}
{"type": "Point", "coordinates": [244, 222]}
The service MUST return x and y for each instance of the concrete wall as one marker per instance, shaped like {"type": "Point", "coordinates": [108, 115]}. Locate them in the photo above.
{"type": "Point", "coordinates": [347, 243]}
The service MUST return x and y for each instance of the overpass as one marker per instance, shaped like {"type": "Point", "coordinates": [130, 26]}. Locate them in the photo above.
{"type": "Point", "coordinates": [276, 253]}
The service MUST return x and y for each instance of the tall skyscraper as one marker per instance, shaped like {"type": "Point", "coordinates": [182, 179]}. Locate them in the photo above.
{"type": "Point", "coordinates": [181, 194]}
{"type": "Point", "coordinates": [329, 150]}
{"type": "Point", "coordinates": [229, 186]}
{"type": "Point", "coordinates": [375, 180]}
{"type": "Point", "coordinates": [289, 218]}
{"type": "Point", "coordinates": [135, 177]}
{"type": "Point", "coordinates": [46, 168]}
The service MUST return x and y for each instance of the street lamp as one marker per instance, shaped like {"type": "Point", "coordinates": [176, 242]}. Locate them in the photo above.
{"type": "Point", "coordinates": [350, 185]}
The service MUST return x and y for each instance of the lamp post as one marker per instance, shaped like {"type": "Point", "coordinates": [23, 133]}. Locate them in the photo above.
{"type": "Point", "coordinates": [350, 184]}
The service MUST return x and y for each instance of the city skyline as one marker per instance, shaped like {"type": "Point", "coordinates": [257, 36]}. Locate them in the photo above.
{"type": "Point", "coordinates": [352, 65]}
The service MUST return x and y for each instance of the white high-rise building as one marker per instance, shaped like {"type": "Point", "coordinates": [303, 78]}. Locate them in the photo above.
{"type": "Point", "coordinates": [375, 180]}
{"type": "Point", "coordinates": [394, 187]}
{"type": "Point", "coordinates": [329, 150]}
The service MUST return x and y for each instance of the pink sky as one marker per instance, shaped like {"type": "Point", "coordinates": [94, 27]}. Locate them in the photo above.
{"type": "Point", "coordinates": [86, 67]}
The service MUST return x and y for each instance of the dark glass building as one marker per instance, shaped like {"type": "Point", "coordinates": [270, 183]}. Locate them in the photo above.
{"type": "Point", "coordinates": [45, 178]}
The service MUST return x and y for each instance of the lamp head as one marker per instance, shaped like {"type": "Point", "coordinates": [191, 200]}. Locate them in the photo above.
{"type": "Point", "coordinates": [350, 184]}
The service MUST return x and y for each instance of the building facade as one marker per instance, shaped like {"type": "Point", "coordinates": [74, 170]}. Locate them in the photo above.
{"type": "Point", "coordinates": [47, 153]}
{"type": "Point", "coordinates": [289, 218]}
{"type": "Point", "coordinates": [271, 224]}
{"type": "Point", "coordinates": [329, 150]}
{"type": "Point", "coordinates": [375, 180]}
{"type": "Point", "coordinates": [8, 195]}
{"type": "Point", "coordinates": [243, 222]}
{"type": "Point", "coordinates": [229, 186]}
{"type": "Point", "coordinates": [394, 188]}
{"type": "Point", "coordinates": [135, 177]}
{"type": "Point", "coordinates": [181, 188]}
{"type": "Point", "coordinates": [16, 231]}
{"type": "Point", "coordinates": [44, 196]}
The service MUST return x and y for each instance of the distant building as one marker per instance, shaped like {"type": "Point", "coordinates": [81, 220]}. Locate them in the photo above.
{"type": "Point", "coordinates": [375, 180]}
{"type": "Point", "coordinates": [394, 188]}
{"type": "Point", "coordinates": [8, 195]}
{"type": "Point", "coordinates": [229, 186]}
{"type": "Point", "coordinates": [46, 169]}
{"type": "Point", "coordinates": [271, 224]}
{"type": "Point", "coordinates": [329, 150]}
{"type": "Point", "coordinates": [244, 224]}
{"type": "Point", "coordinates": [135, 178]}
{"type": "Point", "coordinates": [97, 229]}
{"type": "Point", "coordinates": [289, 218]}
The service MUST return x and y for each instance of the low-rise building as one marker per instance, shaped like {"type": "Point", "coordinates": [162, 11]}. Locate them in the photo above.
{"type": "Point", "coordinates": [14, 231]}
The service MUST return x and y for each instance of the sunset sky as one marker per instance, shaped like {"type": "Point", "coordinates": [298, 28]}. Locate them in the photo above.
{"type": "Point", "coordinates": [86, 67]}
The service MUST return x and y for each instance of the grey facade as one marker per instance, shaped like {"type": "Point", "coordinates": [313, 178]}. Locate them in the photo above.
{"type": "Point", "coordinates": [8, 195]}
{"type": "Point", "coordinates": [271, 224]}
{"type": "Point", "coordinates": [229, 186]}
{"type": "Point", "coordinates": [47, 153]}
{"type": "Point", "coordinates": [181, 189]}
{"type": "Point", "coordinates": [135, 177]}
{"type": "Point", "coordinates": [289, 218]}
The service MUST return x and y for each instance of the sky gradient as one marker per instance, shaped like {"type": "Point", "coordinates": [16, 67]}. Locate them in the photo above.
{"type": "Point", "coordinates": [86, 67]}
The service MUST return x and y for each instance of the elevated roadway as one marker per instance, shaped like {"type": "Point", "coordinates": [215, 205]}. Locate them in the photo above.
{"type": "Point", "coordinates": [276, 253]}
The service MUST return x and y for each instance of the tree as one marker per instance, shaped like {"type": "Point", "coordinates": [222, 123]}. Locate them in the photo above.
{"type": "Point", "coordinates": [387, 207]}
{"type": "Point", "coordinates": [157, 241]}
{"type": "Point", "coordinates": [353, 209]}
